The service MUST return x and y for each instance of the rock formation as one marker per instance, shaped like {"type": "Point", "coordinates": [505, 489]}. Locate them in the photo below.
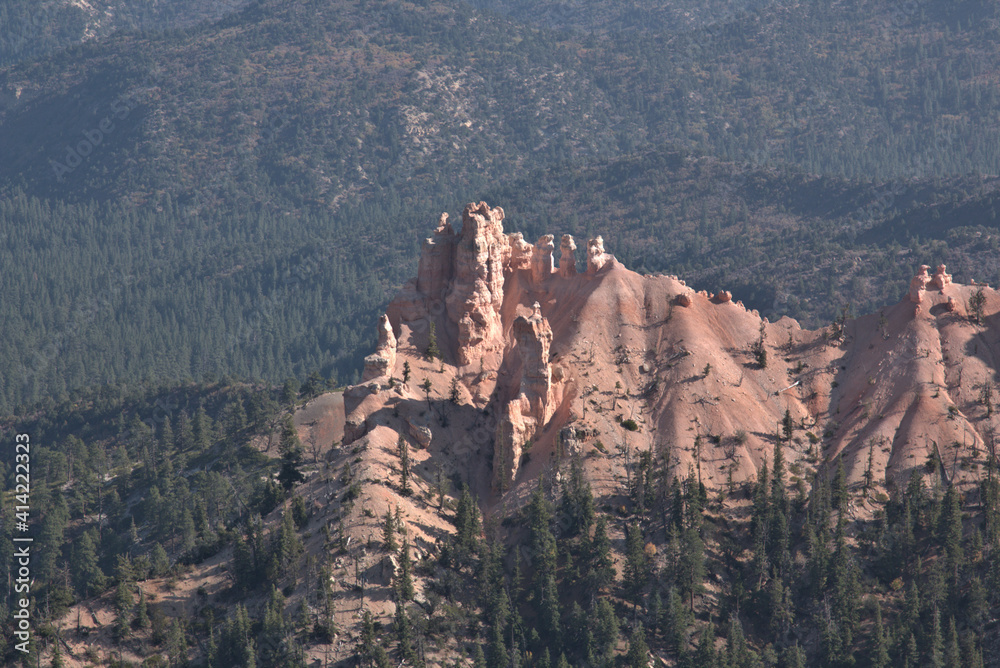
{"type": "Point", "coordinates": [919, 284]}
{"type": "Point", "coordinates": [618, 364]}
{"type": "Point", "coordinates": [461, 276]}
{"type": "Point", "coordinates": [567, 256]}
{"type": "Point", "coordinates": [722, 296]}
{"type": "Point", "coordinates": [477, 288]}
{"type": "Point", "coordinates": [941, 278]}
{"type": "Point", "coordinates": [435, 267]}
{"type": "Point", "coordinates": [524, 417]}
{"type": "Point", "coordinates": [541, 259]}
{"type": "Point", "coordinates": [596, 257]}
{"type": "Point", "coordinates": [520, 252]}
{"type": "Point", "coordinates": [383, 360]}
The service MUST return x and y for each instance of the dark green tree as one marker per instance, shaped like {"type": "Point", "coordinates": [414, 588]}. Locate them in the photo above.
{"type": "Point", "coordinates": [370, 652]}
{"type": "Point", "coordinates": [638, 651]}
{"type": "Point", "coordinates": [404, 583]}
{"type": "Point", "coordinates": [691, 569]}
{"type": "Point", "coordinates": [601, 570]}
{"type": "Point", "coordinates": [605, 629]}
{"type": "Point", "coordinates": [432, 351]}
{"type": "Point", "coordinates": [403, 451]}
{"type": "Point", "coordinates": [637, 571]}
{"type": "Point", "coordinates": [291, 456]}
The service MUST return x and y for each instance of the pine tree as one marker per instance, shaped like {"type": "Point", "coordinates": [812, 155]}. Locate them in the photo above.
{"type": "Point", "coordinates": [87, 575]}
{"type": "Point", "coordinates": [778, 537]}
{"type": "Point", "coordinates": [203, 430]}
{"type": "Point", "coordinates": [977, 304]}
{"type": "Point", "coordinates": [550, 627]}
{"type": "Point", "coordinates": [839, 490]}
{"type": "Point", "coordinates": [432, 352]}
{"type": "Point", "coordinates": [782, 608]}
{"type": "Point", "coordinates": [370, 652]}
{"type": "Point", "coordinates": [426, 385]}
{"type": "Point", "coordinates": [407, 371]}
{"type": "Point", "coordinates": [403, 450]}
{"type": "Point", "coordinates": [676, 621]}
{"type": "Point", "coordinates": [606, 629]}
{"type": "Point", "coordinates": [601, 571]}
{"type": "Point", "coordinates": [638, 650]}
{"type": "Point", "coordinates": [404, 634]}
{"type": "Point", "coordinates": [880, 641]}
{"type": "Point", "coordinates": [972, 656]}
{"type": "Point", "coordinates": [759, 522]}
{"type": "Point", "coordinates": [455, 394]}
{"type": "Point", "coordinates": [911, 657]}
{"type": "Point", "coordinates": [404, 585]}
{"type": "Point", "coordinates": [935, 652]}
{"type": "Point", "coordinates": [291, 455]}
{"type": "Point", "coordinates": [949, 529]}
{"type": "Point", "coordinates": [467, 526]}
{"type": "Point", "coordinates": [738, 653]}
{"type": "Point", "coordinates": [952, 653]}
{"type": "Point", "coordinates": [758, 349]}
{"type": "Point", "coordinates": [793, 657]}
{"type": "Point", "coordinates": [542, 541]}
{"type": "Point", "coordinates": [389, 532]}
{"type": "Point", "coordinates": [705, 655]}
{"type": "Point", "coordinates": [141, 620]}
{"type": "Point", "coordinates": [692, 565]}
{"type": "Point", "coordinates": [636, 573]}
{"type": "Point", "coordinates": [577, 503]}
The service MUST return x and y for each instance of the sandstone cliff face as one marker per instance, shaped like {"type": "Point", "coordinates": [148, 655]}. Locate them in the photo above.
{"type": "Point", "coordinates": [523, 418]}
{"type": "Point", "coordinates": [476, 292]}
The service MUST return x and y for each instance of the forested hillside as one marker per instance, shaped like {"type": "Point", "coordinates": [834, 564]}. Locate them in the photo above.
{"type": "Point", "coordinates": [173, 525]}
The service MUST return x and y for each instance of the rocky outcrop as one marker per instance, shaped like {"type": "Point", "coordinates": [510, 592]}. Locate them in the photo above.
{"type": "Point", "coordinates": [383, 360]}
{"type": "Point", "coordinates": [596, 257]}
{"type": "Point", "coordinates": [541, 259]}
{"type": "Point", "coordinates": [476, 293]}
{"type": "Point", "coordinates": [420, 432]}
{"type": "Point", "coordinates": [567, 256]}
{"type": "Point", "coordinates": [520, 252]}
{"type": "Point", "coordinates": [461, 279]}
{"type": "Point", "coordinates": [435, 270]}
{"type": "Point", "coordinates": [523, 418]}
{"type": "Point", "coordinates": [722, 297]}
{"type": "Point", "coordinates": [918, 285]}
{"type": "Point", "coordinates": [941, 278]}
{"type": "Point", "coordinates": [684, 299]}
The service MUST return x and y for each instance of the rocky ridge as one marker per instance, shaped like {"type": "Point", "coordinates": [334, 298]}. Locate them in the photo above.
{"type": "Point", "coordinates": [540, 360]}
